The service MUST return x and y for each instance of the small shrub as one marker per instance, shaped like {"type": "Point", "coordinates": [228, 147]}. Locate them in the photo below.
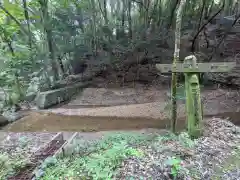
{"type": "Point", "coordinates": [10, 165]}
{"type": "Point", "coordinates": [101, 160]}
{"type": "Point", "coordinates": [175, 165]}
{"type": "Point", "coordinates": [186, 140]}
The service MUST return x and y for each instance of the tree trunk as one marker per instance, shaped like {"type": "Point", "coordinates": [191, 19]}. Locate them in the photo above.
{"type": "Point", "coordinates": [14, 19]}
{"type": "Point", "coordinates": [129, 19]}
{"type": "Point", "coordinates": [48, 31]}
{"type": "Point", "coordinates": [79, 16]}
{"type": "Point", "coordinates": [28, 23]}
{"type": "Point", "coordinates": [201, 14]}
{"type": "Point", "coordinates": [175, 60]}
{"type": "Point", "coordinates": [52, 54]}
{"type": "Point", "coordinates": [105, 11]}
{"type": "Point", "coordinates": [209, 10]}
{"type": "Point", "coordinates": [6, 39]}
{"type": "Point", "coordinates": [61, 64]}
{"type": "Point", "coordinates": [93, 24]}
{"type": "Point", "coordinates": [159, 14]}
{"type": "Point", "coordinates": [174, 7]}
{"type": "Point", "coordinates": [204, 25]}
{"type": "Point", "coordinates": [200, 20]}
{"type": "Point", "coordinates": [123, 16]}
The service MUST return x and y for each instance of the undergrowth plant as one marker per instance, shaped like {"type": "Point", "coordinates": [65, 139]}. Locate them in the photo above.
{"type": "Point", "coordinates": [177, 169]}
{"type": "Point", "coordinates": [183, 138]}
{"type": "Point", "coordinates": [10, 165]}
{"type": "Point", "coordinates": [230, 164]}
{"type": "Point", "coordinates": [101, 159]}
{"type": "Point", "coordinates": [175, 164]}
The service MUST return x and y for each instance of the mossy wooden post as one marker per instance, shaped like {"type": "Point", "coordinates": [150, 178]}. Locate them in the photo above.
{"type": "Point", "coordinates": [193, 98]}
{"type": "Point", "coordinates": [191, 68]}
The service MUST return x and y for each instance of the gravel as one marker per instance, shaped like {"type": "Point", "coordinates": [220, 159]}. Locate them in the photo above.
{"type": "Point", "coordinates": [211, 156]}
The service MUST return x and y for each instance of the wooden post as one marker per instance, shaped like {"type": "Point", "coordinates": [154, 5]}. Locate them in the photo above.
{"type": "Point", "coordinates": [193, 100]}
{"type": "Point", "coordinates": [191, 68]}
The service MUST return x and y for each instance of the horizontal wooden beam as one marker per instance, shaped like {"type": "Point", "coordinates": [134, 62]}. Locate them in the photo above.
{"type": "Point", "coordinates": [201, 67]}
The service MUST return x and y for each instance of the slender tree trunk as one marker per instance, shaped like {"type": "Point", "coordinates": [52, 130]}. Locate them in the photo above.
{"type": "Point", "coordinates": [129, 19]}
{"type": "Point", "coordinates": [146, 7]}
{"type": "Point", "coordinates": [48, 31]}
{"type": "Point", "coordinates": [105, 11]}
{"type": "Point", "coordinates": [93, 24]}
{"type": "Point", "coordinates": [123, 15]}
{"type": "Point", "coordinates": [200, 19]}
{"type": "Point", "coordinates": [223, 37]}
{"type": "Point", "coordinates": [52, 53]}
{"type": "Point", "coordinates": [159, 14]}
{"type": "Point", "coordinates": [6, 39]}
{"type": "Point", "coordinates": [16, 82]}
{"type": "Point", "coordinates": [14, 19]}
{"type": "Point", "coordinates": [201, 14]}
{"type": "Point", "coordinates": [204, 25]}
{"type": "Point", "coordinates": [28, 23]}
{"type": "Point", "coordinates": [174, 7]}
{"type": "Point", "coordinates": [176, 60]}
{"type": "Point", "coordinates": [208, 9]}
{"type": "Point", "coordinates": [61, 64]}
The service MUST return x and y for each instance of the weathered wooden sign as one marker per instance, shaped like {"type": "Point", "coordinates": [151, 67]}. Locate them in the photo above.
{"type": "Point", "coordinates": [200, 67]}
{"type": "Point", "coordinates": [191, 68]}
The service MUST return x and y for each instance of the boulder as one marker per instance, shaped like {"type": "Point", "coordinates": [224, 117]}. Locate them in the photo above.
{"type": "Point", "coordinates": [30, 97]}
{"type": "Point", "coordinates": [3, 121]}
{"type": "Point", "coordinates": [2, 96]}
{"type": "Point", "coordinates": [49, 98]}
{"type": "Point", "coordinates": [11, 115]}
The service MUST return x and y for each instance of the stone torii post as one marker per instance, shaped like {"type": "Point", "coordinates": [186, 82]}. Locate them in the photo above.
{"type": "Point", "coordinates": [191, 68]}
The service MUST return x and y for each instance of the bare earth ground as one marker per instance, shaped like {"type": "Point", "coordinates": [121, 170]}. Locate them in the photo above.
{"type": "Point", "coordinates": [30, 142]}
{"type": "Point", "coordinates": [149, 108]}
{"type": "Point", "coordinates": [145, 108]}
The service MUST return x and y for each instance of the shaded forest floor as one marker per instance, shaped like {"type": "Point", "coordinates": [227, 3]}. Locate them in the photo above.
{"type": "Point", "coordinates": [125, 108]}
{"type": "Point", "coordinates": [151, 154]}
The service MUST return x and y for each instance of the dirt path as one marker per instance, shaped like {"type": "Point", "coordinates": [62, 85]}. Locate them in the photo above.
{"type": "Point", "coordinates": [221, 103]}
{"type": "Point", "coordinates": [215, 102]}
{"type": "Point", "coordinates": [55, 123]}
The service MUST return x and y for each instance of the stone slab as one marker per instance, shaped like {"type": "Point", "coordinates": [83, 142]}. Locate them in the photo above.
{"type": "Point", "coordinates": [53, 97]}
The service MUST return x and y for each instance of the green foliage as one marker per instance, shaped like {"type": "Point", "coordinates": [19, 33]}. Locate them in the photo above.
{"type": "Point", "coordinates": [26, 40]}
{"type": "Point", "coordinates": [102, 166]}
{"type": "Point", "coordinates": [23, 141]}
{"type": "Point", "coordinates": [175, 164]}
{"type": "Point", "coordinates": [186, 140]}
{"type": "Point", "coordinates": [167, 137]}
{"type": "Point", "coordinates": [100, 159]}
{"type": "Point", "coordinates": [10, 165]}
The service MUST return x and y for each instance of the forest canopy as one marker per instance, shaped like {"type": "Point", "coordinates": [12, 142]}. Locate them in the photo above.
{"type": "Point", "coordinates": [42, 40]}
